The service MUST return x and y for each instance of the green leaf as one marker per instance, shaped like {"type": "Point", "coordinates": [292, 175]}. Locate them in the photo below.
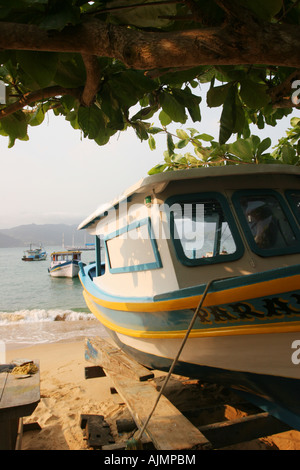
{"type": "Point", "coordinates": [191, 158]}
{"type": "Point", "coordinates": [145, 113]}
{"type": "Point", "coordinates": [130, 86]}
{"type": "Point", "coordinates": [155, 130]}
{"type": "Point", "coordinates": [151, 142]}
{"type": "Point", "coordinates": [205, 137]}
{"type": "Point", "coordinates": [139, 81]}
{"type": "Point", "coordinates": [182, 143]}
{"type": "Point", "coordinates": [70, 73]}
{"type": "Point", "coordinates": [157, 169]}
{"type": "Point", "coordinates": [228, 116]}
{"type": "Point", "coordinates": [140, 130]}
{"type": "Point", "coordinates": [164, 118]}
{"type": "Point", "coordinates": [190, 101]}
{"type": "Point", "coordinates": [288, 154]}
{"type": "Point", "coordinates": [173, 108]}
{"type": "Point", "coordinates": [37, 117]}
{"type": "Point", "coordinates": [170, 144]}
{"type": "Point", "coordinates": [181, 134]}
{"type": "Point", "coordinates": [254, 94]}
{"type": "Point", "coordinates": [264, 145]}
{"type": "Point", "coordinates": [295, 122]}
{"type": "Point", "coordinates": [40, 66]}
{"type": "Point", "coordinates": [260, 121]}
{"type": "Point", "coordinates": [104, 136]}
{"type": "Point", "coordinates": [111, 108]}
{"type": "Point", "coordinates": [216, 96]}
{"type": "Point", "coordinates": [192, 131]}
{"type": "Point", "coordinates": [91, 121]}
{"type": "Point", "coordinates": [15, 126]}
{"type": "Point", "coordinates": [242, 149]}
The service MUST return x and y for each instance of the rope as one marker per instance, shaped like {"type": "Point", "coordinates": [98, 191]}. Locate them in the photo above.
{"type": "Point", "coordinates": [175, 360]}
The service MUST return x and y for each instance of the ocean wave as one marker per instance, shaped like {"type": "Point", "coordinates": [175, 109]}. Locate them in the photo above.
{"type": "Point", "coordinates": [42, 315]}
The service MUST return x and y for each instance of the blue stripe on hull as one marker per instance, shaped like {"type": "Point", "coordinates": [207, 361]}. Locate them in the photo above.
{"type": "Point", "coordinates": [277, 395]}
{"type": "Point", "coordinates": [63, 265]}
{"type": "Point", "coordinates": [217, 286]}
{"type": "Point", "coordinates": [268, 311]}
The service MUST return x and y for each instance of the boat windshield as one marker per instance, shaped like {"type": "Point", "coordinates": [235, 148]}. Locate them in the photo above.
{"type": "Point", "coordinates": [267, 223]}
{"type": "Point", "coordinates": [294, 200]}
{"type": "Point", "coordinates": [202, 231]}
{"type": "Point", "coordinates": [64, 257]}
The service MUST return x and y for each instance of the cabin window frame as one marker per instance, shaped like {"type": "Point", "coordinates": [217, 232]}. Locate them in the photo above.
{"type": "Point", "coordinates": [291, 202]}
{"type": "Point", "coordinates": [265, 252]}
{"type": "Point", "coordinates": [138, 267]}
{"type": "Point", "coordinates": [229, 218]}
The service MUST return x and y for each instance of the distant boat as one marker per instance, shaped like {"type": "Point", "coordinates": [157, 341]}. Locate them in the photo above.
{"type": "Point", "coordinates": [86, 247]}
{"type": "Point", "coordinates": [64, 263]}
{"type": "Point", "coordinates": [35, 254]}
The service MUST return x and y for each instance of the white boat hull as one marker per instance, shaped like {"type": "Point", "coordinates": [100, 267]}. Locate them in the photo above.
{"type": "Point", "coordinates": [271, 354]}
{"type": "Point", "coordinates": [65, 270]}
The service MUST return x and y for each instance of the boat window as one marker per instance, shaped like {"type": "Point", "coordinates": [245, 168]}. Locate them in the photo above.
{"type": "Point", "coordinates": [267, 222]}
{"type": "Point", "coordinates": [100, 258]}
{"type": "Point", "coordinates": [132, 248]}
{"type": "Point", "coordinates": [203, 229]}
{"type": "Point", "coordinates": [294, 199]}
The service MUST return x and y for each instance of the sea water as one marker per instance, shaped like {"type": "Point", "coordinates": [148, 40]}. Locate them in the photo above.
{"type": "Point", "coordinates": [36, 308]}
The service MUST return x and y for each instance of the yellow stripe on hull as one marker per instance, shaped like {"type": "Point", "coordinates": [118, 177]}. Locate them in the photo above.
{"type": "Point", "coordinates": [284, 327]}
{"type": "Point", "coordinates": [236, 294]}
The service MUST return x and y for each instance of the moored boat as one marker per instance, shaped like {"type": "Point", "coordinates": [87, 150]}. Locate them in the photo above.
{"type": "Point", "coordinates": [64, 263]}
{"type": "Point", "coordinates": [35, 254]}
{"type": "Point", "coordinates": [222, 241]}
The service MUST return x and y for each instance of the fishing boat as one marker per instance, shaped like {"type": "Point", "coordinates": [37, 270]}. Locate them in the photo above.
{"type": "Point", "coordinates": [64, 263]}
{"type": "Point", "coordinates": [206, 262]}
{"type": "Point", "coordinates": [85, 247]}
{"type": "Point", "coordinates": [35, 254]}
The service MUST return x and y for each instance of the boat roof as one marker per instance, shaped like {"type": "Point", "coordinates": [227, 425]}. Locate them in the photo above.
{"type": "Point", "coordinates": [158, 182]}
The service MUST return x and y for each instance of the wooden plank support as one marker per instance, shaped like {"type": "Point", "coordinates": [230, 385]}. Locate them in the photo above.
{"type": "Point", "coordinates": [19, 396]}
{"type": "Point", "coordinates": [168, 429]}
{"type": "Point", "coordinates": [243, 429]}
{"type": "Point", "coordinates": [96, 431]}
{"type": "Point", "coordinates": [105, 355]}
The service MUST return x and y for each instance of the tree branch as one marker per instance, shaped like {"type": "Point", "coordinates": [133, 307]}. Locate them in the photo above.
{"type": "Point", "coordinates": [234, 43]}
{"type": "Point", "coordinates": [36, 96]}
{"type": "Point", "coordinates": [93, 79]}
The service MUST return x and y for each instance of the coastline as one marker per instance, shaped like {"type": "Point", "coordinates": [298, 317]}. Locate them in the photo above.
{"type": "Point", "coordinates": [66, 394]}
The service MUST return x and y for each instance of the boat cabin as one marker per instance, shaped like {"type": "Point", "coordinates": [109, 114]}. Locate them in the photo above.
{"type": "Point", "coordinates": [180, 229]}
{"type": "Point", "coordinates": [65, 256]}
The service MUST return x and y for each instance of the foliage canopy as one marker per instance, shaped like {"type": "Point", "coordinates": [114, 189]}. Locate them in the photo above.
{"type": "Point", "coordinates": [110, 65]}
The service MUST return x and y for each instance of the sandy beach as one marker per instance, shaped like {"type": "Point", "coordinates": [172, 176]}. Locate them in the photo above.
{"type": "Point", "coordinates": [66, 394]}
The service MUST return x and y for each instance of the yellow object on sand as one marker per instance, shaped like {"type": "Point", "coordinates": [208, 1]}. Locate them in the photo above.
{"type": "Point", "coordinates": [27, 368]}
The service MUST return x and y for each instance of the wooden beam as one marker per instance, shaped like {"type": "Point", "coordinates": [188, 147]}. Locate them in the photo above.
{"type": "Point", "coordinates": [168, 429]}
{"type": "Point", "coordinates": [105, 355]}
{"type": "Point", "coordinates": [243, 429]}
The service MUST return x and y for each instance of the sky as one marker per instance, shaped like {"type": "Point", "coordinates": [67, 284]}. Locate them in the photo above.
{"type": "Point", "coordinates": [60, 177]}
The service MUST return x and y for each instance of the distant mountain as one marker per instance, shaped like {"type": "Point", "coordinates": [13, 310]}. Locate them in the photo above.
{"type": "Point", "coordinates": [8, 242]}
{"type": "Point", "coordinates": [47, 234]}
